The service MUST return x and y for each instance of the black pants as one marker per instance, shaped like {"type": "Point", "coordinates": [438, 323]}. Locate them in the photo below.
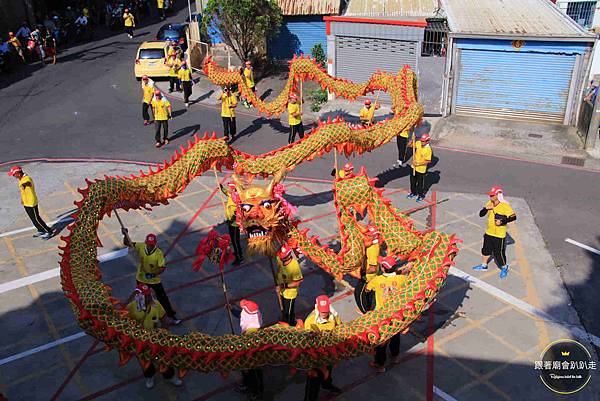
{"type": "Point", "coordinates": [401, 143]}
{"type": "Point", "coordinates": [161, 13]}
{"type": "Point", "coordinates": [494, 246]}
{"type": "Point", "coordinates": [234, 233]}
{"type": "Point", "coordinates": [381, 351]}
{"type": "Point", "coordinates": [229, 127]}
{"type": "Point", "coordinates": [289, 315]}
{"type": "Point", "coordinates": [129, 30]}
{"type": "Point", "coordinates": [161, 296]}
{"type": "Point", "coordinates": [313, 384]}
{"type": "Point", "coordinates": [145, 111]}
{"type": "Point", "coordinates": [296, 129]}
{"type": "Point", "coordinates": [174, 84]}
{"type": "Point", "coordinates": [417, 183]}
{"type": "Point", "coordinates": [187, 90]}
{"type": "Point", "coordinates": [253, 381]}
{"type": "Point", "coordinates": [365, 300]}
{"type": "Point", "coordinates": [151, 371]}
{"type": "Point", "coordinates": [165, 126]}
{"type": "Point", "coordinates": [36, 219]}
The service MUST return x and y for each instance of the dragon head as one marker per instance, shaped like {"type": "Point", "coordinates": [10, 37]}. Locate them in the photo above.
{"type": "Point", "coordinates": [261, 214]}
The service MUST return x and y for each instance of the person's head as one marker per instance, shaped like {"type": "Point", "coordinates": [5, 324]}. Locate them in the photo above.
{"type": "Point", "coordinates": [143, 296]}
{"type": "Point", "coordinates": [323, 306]}
{"type": "Point", "coordinates": [157, 94]}
{"type": "Point", "coordinates": [348, 168]}
{"type": "Point", "coordinates": [145, 79]}
{"type": "Point", "coordinates": [11, 34]}
{"type": "Point", "coordinates": [16, 171]}
{"type": "Point", "coordinates": [367, 102]}
{"type": "Point", "coordinates": [184, 64]}
{"type": "Point", "coordinates": [24, 23]}
{"type": "Point", "coordinates": [388, 263]}
{"type": "Point", "coordinates": [250, 317]}
{"type": "Point", "coordinates": [285, 253]}
{"type": "Point", "coordinates": [373, 233]}
{"type": "Point", "coordinates": [173, 43]}
{"type": "Point", "coordinates": [227, 90]}
{"type": "Point", "coordinates": [495, 193]}
{"type": "Point", "coordinates": [425, 138]}
{"type": "Point", "coordinates": [150, 241]}
{"type": "Point", "coordinates": [293, 98]}
{"type": "Point", "coordinates": [248, 64]}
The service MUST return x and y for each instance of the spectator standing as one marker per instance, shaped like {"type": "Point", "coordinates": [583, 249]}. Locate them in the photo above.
{"type": "Point", "coordinates": [29, 200]}
{"type": "Point", "coordinates": [50, 45]}
{"type": "Point", "coordinates": [161, 109]}
{"type": "Point", "coordinates": [128, 22]}
{"type": "Point", "coordinates": [23, 32]}
{"type": "Point", "coordinates": [13, 40]}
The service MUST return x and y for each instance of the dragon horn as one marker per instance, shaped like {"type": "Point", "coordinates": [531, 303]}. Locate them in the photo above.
{"type": "Point", "coordinates": [277, 178]}
{"type": "Point", "coordinates": [239, 184]}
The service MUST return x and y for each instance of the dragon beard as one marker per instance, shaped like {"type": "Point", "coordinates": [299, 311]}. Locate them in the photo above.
{"type": "Point", "coordinates": [263, 234]}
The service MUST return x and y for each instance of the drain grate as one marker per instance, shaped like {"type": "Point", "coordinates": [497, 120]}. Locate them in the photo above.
{"type": "Point", "coordinates": [572, 161]}
{"type": "Point", "coordinates": [535, 136]}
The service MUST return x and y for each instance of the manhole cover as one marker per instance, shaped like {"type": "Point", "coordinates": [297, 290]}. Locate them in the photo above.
{"type": "Point", "coordinates": [535, 136]}
{"type": "Point", "coordinates": [573, 161]}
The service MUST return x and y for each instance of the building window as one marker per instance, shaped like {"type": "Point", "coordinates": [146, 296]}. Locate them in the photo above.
{"type": "Point", "coordinates": [435, 38]}
{"type": "Point", "coordinates": [582, 12]}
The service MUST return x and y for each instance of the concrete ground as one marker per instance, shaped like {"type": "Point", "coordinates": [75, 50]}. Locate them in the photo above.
{"type": "Point", "coordinates": [478, 341]}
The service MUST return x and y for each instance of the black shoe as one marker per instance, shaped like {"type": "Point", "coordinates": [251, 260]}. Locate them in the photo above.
{"type": "Point", "coordinates": [238, 261]}
{"type": "Point", "coordinates": [333, 389]}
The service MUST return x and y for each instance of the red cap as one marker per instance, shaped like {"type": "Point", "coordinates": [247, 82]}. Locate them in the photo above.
{"type": "Point", "coordinates": [495, 190]}
{"type": "Point", "coordinates": [293, 96]}
{"type": "Point", "coordinates": [231, 185]}
{"type": "Point", "coordinates": [183, 62]}
{"type": "Point", "coordinates": [248, 62]}
{"type": "Point", "coordinates": [373, 231]}
{"type": "Point", "coordinates": [425, 138]}
{"type": "Point", "coordinates": [143, 289]}
{"type": "Point", "coordinates": [145, 77]}
{"type": "Point", "coordinates": [157, 92]}
{"type": "Point", "coordinates": [367, 101]}
{"type": "Point", "coordinates": [284, 251]}
{"type": "Point", "coordinates": [11, 34]}
{"type": "Point", "coordinates": [151, 239]}
{"type": "Point", "coordinates": [323, 304]}
{"type": "Point", "coordinates": [348, 167]}
{"type": "Point", "coordinates": [126, 10]}
{"type": "Point", "coordinates": [387, 262]}
{"type": "Point", "coordinates": [248, 306]}
{"type": "Point", "coordinates": [14, 170]}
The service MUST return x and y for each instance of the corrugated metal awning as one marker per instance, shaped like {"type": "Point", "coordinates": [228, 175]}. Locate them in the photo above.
{"type": "Point", "coordinates": [392, 8]}
{"type": "Point", "coordinates": [310, 7]}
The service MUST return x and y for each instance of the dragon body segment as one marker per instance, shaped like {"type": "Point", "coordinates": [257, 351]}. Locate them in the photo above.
{"type": "Point", "coordinates": [430, 252]}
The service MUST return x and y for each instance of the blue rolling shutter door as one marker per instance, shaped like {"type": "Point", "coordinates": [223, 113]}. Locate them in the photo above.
{"type": "Point", "coordinates": [517, 85]}
{"type": "Point", "coordinates": [298, 36]}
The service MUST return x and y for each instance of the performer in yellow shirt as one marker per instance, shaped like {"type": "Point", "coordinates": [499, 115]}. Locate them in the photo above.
{"type": "Point", "coordinates": [128, 22]}
{"type": "Point", "coordinates": [389, 283]}
{"type": "Point", "coordinates": [161, 108]}
{"type": "Point", "coordinates": [147, 92]}
{"type": "Point", "coordinates": [174, 65]}
{"type": "Point", "coordinates": [402, 144]}
{"type": "Point", "coordinates": [150, 313]}
{"type": "Point", "coordinates": [248, 74]}
{"type": "Point", "coordinates": [494, 240]}
{"type": "Point", "coordinates": [234, 229]}
{"type": "Point", "coordinates": [185, 76]}
{"type": "Point", "coordinates": [365, 300]}
{"type": "Point", "coordinates": [421, 160]}
{"type": "Point", "coordinates": [29, 200]}
{"type": "Point", "coordinates": [228, 105]}
{"type": "Point", "coordinates": [289, 278]}
{"type": "Point", "coordinates": [295, 118]}
{"type": "Point", "coordinates": [323, 318]}
{"type": "Point", "coordinates": [160, 5]}
{"type": "Point", "coordinates": [152, 265]}
{"type": "Point", "coordinates": [367, 113]}
{"type": "Point", "coordinates": [251, 322]}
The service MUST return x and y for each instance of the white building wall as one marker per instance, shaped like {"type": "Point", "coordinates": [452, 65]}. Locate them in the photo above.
{"type": "Point", "coordinates": [563, 4]}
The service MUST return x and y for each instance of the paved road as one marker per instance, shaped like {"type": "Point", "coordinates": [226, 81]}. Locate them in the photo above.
{"type": "Point", "coordinates": [88, 105]}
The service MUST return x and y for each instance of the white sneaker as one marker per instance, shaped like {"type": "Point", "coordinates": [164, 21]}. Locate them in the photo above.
{"type": "Point", "coordinates": [187, 105]}
{"type": "Point", "coordinates": [46, 236]}
{"type": "Point", "coordinates": [176, 381]}
{"type": "Point", "coordinates": [176, 321]}
{"type": "Point", "coordinates": [150, 383]}
{"type": "Point", "coordinates": [38, 234]}
{"type": "Point", "coordinates": [399, 163]}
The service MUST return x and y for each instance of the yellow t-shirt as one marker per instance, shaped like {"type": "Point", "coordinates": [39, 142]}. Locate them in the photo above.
{"type": "Point", "coordinates": [160, 109]}
{"type": "Point", "coordinates": [287, 274]}
{"type": "Point", "coordinates": [292, 109]}
{"type": "Point", "coordinates": [422, 153]}
{"type": "Point", "coordinates": [404, 134]}
{"type": "Point", "coordinates": [230, 209]}
{"type": "Point", "coordinates": [227, 101]}
{"type": "Point", "coordinates": [185, 75]}
{"type": "Point", "coordinates": [148, 92]}
{"type": "Point", "coordinates": [249, 75]}
{"type": "Point", "coordinates": [15, 42]}
{"type": "Point", "coordinates": [310, 323]}
{"type": "Point", "coordinates": [129, 19]}
{"type": "Point", "coordinates": [160, 3]}
{"type": "Point", "coordinates": [366, 114]}
{"type": "Point", "coordinates": [28, 195]}
{"type": "Point", "coordinates": [150, 319]}
{"type": "Point", "coordinates": [492, 229]}
{"type": "Point", "coordinates": [372, 255]}
{"type": "Point", "coordinates": [148, 271]}
{"type": "Point", "coordinates": [174, 66]}
{"type": "Point", "coordinates": [384, 286]}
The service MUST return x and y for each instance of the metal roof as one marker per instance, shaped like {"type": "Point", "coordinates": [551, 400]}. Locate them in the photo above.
{"type": "Point", "coordinates": [392, 8]}
{"type": "Point", "coordinates": [310, 7]}
{"type": "Point", "coordinates": [510, 18]}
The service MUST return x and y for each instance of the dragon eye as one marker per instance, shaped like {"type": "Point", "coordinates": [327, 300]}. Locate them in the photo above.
{"type": "Point", "coordinates": [246, 207]}
{"type": "Point", "coordinates": [266, 204]}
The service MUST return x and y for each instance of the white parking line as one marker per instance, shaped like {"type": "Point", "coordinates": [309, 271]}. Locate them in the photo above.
{"type": "Point", "coordinates": [41, 348]}
{"type": "Point", "coordinates": [584, 246]}
{"type": "Point", "coordinates": [576, 331]}
{"type": "Point", "coordinates": [443, 395]}
{"type": "Point", "coordinates": [48, 274]}
{"type": "Point", "coordinates": [24, 230]}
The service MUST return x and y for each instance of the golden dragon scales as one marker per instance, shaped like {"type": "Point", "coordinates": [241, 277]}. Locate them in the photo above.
{"type": "Point", "coordinates": [430, 252]}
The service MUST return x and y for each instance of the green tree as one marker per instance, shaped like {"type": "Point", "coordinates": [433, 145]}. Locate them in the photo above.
{"type": "Point", "coordinates": [243, 24]}
{"type": "Point", "coordinates": [318, 54]}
